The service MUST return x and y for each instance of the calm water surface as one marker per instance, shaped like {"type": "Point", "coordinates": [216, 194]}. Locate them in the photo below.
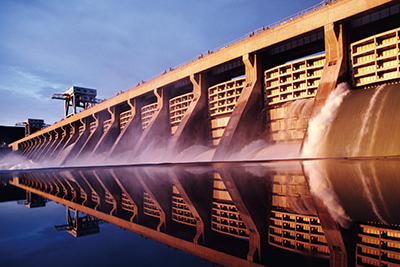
{"type": "Point", "coordinates": [310, 213]}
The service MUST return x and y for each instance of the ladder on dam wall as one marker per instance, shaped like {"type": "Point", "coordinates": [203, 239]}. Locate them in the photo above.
{"type": "Point", "coordinates": [240, 93]}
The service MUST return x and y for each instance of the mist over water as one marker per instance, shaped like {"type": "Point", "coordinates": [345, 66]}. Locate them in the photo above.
{"type": "Point", "coordinates": [260, 150]}
{"type": "Point", "coordinates": [351, 123]}
{"type": "Point", "coordinates": [155, 152]}
{"type": "Point", "coordinates": [194, 154]}
{"type": "Point", "coordinates": [15, 162]}
{"type": "Point", "coordinates": [349, 117]}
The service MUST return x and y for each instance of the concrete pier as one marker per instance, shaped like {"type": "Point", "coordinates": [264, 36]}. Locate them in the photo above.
{"type": "Point", "coordinates": [234, 95]}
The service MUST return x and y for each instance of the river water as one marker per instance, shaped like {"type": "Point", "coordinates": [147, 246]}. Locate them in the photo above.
{"type": "Point", "coordinates": [333, 204]}
{"type": "Point", "coordinates": [264, 213]}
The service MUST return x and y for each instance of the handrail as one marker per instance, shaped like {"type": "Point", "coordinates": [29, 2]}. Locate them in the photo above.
{"type": "Point", "coordinates": [248, 35]}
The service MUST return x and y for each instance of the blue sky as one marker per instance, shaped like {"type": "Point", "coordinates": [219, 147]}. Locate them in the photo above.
{"type": "Point", "coordinates": [48, 46]}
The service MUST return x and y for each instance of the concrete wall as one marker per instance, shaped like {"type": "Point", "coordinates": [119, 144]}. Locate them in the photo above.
{"type": "Point", "coordinates": [103, 131]}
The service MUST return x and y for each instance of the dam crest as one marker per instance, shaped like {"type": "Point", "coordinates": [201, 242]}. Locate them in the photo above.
{"type": "Point", "coordinates": [261, 91]}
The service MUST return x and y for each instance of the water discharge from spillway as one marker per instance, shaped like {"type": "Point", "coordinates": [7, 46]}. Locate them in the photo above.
{"type": "Point", "coordinates": [352, 123]}
{"type": "Point", "coordinates": [319, 125]}
{"type": "Point", "coordinates": [366, 119]}
{"type": "Point", "coordinates": [365, 125]}
{"type": "Point", "coordinates": [294, 124]}
{"type": "Point", "coordinates": [296, 118]}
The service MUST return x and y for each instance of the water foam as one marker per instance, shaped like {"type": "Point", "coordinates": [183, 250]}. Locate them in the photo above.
{"type": "Point", "coordinates": [319, 125]}
{"type": "Point", "coordinates": [296, 117]}
{"type": "Point", "coordinates": [257, 150]}
{"type": "Point", "coordinates": [366, 119]}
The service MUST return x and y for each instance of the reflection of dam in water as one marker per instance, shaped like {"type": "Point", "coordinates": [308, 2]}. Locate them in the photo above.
{"type": "Point", "coordinates": [266, 90]}
{"type": "Point", "coordinates": [294, 223]}
{"type": "Point", "coordinates": [237, 214]}
{"type": "Point", "coordinates": [266, 87]}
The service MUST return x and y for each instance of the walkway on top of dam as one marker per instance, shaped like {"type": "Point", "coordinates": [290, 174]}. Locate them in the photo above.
{"type": "Point", "coordinates": [281, 37]}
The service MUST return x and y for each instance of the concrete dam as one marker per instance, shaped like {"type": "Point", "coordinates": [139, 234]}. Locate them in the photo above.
{"type": "Point", "coordinates": [267, 86]}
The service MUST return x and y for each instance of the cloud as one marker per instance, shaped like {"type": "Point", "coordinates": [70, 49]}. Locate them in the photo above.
{"type": "Point", "coordinates": [111, 46]}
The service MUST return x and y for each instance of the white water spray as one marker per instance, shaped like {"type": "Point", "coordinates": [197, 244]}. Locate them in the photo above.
{"type": "Point", "coordinates": [294, 124]}
{"type": "Point", "coordinates": [296, 119]}
{"type": "Point", "coordinates": [319, 125]}
{"type": "Point", "coordinates": [297, 115]}
{"type": "Point", "coordinates": [366, 119]}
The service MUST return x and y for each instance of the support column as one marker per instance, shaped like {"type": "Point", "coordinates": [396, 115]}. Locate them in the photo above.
{"type": "Point", "coordinates": [340, 247]}
{"type": "Point", "coordinates": [94, 136]}
{"type": "Point", "coordinates": [247, 194]}
{"type": "Point", "coordinates": [124, 190]}
{"type": "Point", "coordinates": [335, 69]}
{"type": "Point", "coordinates": [192, 130]}
{"type": "Point", "coordinates": [243, 125]}
{"type": "Point", "coordinates": [54, 144]}
{"type": "Point", "coordinates": [129, 136]}
{"type": "Point", "coordinates": [38, 142]}
{"type": "Point", "coordinates": [92, 198]}
{"type": "Point", "coordinates": [80, 140]}
{"type": "Point", "coordinates": [96, 189]}
{"type": "Point", "coordinates": [30, 147]}
{"type": "Point", "coordinates": [44, 140]}
{"type": "Point", "coordinates": [110, 135]}
{"type": "Point", "coordinates": [109, 191]}
{"type": "Point", "coordinates": [191, 204]}
{"type": "Point", "coordinates": [47, 146]}
{"type": "Point", "coordinates": [160, 191]}
{"type": "Point", "coordinates": [338, 252]}
{"type": "Point", "coordinates": [129, 183]}
{"type": "Point", "coordinates": [18, 146]}
{"type": "Point", "coordinates": [73, 136]}
{"type": "Point", "coordinates": [63, 138]}
{"type": "Point", "coordinates": [159, 128]}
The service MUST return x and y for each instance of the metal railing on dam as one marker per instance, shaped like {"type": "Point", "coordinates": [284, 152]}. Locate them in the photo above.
{"type": "Point", "coordinates": [250, 34]}
{"type": "Point", "coordinates": [237, 94]}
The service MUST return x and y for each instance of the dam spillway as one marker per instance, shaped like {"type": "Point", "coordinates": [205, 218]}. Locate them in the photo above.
{"type": "Point", "coordinates": [239, 93]}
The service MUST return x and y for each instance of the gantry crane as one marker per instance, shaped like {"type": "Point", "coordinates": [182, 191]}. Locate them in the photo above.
{"type": "Point", "coordinates": [76, 97]}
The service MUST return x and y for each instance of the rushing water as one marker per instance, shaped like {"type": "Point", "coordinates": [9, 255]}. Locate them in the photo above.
{"type": "Point", "coordinates": [334, 202]}
{"type": "Point", "coordinates": [365, 125]}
